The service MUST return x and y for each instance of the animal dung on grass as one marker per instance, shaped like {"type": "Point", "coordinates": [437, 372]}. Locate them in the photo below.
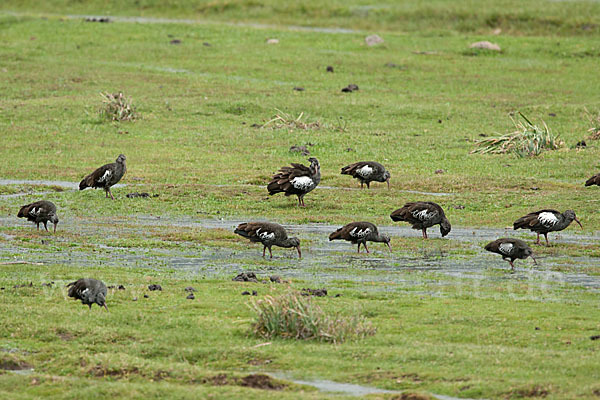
{"type": "Point", "coordinates": [272, 41]}
{"type": "Point", "coordinates": [293, 316]}
{"type": "Point", "coordinates": [245, 277]}
{"type": "Point", "coordinates": [350, 88]}
{"type": "Point", "coordinates": [373, 40]}
{"type": "Point", "coordinates": [527, 140]}
{"type": "Point", "coordinates": [154, 287]}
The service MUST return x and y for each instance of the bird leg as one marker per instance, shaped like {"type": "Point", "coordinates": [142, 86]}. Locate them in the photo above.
{"type": "Point", "coordinates": [109, 192]}
{"type": "Point", "coordinates": [90, 305]}
{"type": "Point", "coordinates": [368, 183]}
{"type": "Point", "coordinates": [46, 226]}
{"type": "Point", "coordinates": [264, 249]}
{"type": "Point", "coordinates": [365, 244]}
{"type": "Point", "coordinates": [105, 194]}
{"type": "Point", "coordinates": [361, 184]}
{"type": "Point", "coordinates": [424, 233]}
{"type": "Point", "coordinates": [38, 225]}
{"type": "Point", "coordinates": [270, 253]}
{"type": "Point", "coordinates": [546, 236]}
{"type": "Point", "coordinates": [512, 266]}
{"type": "Point", "coordinates": [358, 247]}
{"type": "Point", "coordinates": [538, 239]}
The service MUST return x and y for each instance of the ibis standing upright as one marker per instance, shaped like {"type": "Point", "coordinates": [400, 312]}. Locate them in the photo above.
{"type": "Point", "coordinates": [423, 215]}
{"type": "Point", "coordinates": [545, 221]}
{"type": "Point", "coordinates": [297, 179]}
{"type": "Point", "coordinates": [106, 176]}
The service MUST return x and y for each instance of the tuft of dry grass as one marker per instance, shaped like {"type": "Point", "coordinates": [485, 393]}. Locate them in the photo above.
{"type": "Point", "coordinates": [594, 124]}
{"type": "Point", "coordinates": [283, 120]}
{"type": "Point", "coordinates": [293, 316]}
{"type": "Point", "coordinates": [117, 107]}
{"type": "Point", "coordinates": [527, 140]}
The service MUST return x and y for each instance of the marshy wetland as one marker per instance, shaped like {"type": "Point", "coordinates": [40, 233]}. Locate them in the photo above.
{"type": "Point", "coordinates": [450, 319]}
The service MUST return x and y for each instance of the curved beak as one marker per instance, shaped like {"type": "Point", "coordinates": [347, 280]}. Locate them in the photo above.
{"type": "Point", "coordinates": [388, 182]}
{"type": "Point", "coordinates": [576, 220]}
{"type": "Point", "coordinates": [105, 307]}
{"type": "Point", "coordinates": [389, 247]}
{"type": "Point", "coordinates": [299, 252]}
{"type": "Point", "coordinates": [534, 260]}
{"type": "Point", "coordinates": [56, 223]}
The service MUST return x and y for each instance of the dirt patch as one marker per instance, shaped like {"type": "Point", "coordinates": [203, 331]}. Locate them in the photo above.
{"type": "Point", "coordinates": [14, 365]}
{"type": "Point", "coordinates": [261, 381]}
{"type": "Point", "coordinates": [65, 335]}
{"type": "Point", "coordinates": [533, 391]}
{"type": "Point", "coordinates": [313, 292]}
{"type": "Point", "coordinates": [411, 396]}
{"type": "Point", "coordinates": [102, 371]}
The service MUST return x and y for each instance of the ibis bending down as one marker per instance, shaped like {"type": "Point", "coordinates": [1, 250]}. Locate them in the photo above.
{"type": "Point", "coordinates": [366, 172]}
{"type": "Point", "coordinates": [40, 211]}
{"type": "Point", "coordinates": [510, 249]}
{"type": "Point", "coordinates": [423, 215]}
{"type": "Point", "coordinates": [360, 233]}
{"type": "Point", "coordinates": [89, 291]}
{"type": "Point", "coordinates": [268, 234]}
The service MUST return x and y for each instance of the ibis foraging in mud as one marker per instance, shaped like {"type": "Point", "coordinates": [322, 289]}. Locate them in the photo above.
{"type": "Point", "coordinates": [40, 211]}
{"type": "Point", "coordinates": [545, 221]}
{"type": "Point", "coordinates": [89, 291]}
{"type": "Point", "coordinates": [106, 176]}
{"type": "Point", "coordinates": [510, 249]}
{"type": "Point", "coordinates": [360, 233]}
{"type": "Point", "coordinates": [366, 172]}
{"type": "Point", "coordinates": [269, 234]}
{"type": "Point", "coordinates": [423, 215]}
{"type": "Point", "coordinates": [297, 179]}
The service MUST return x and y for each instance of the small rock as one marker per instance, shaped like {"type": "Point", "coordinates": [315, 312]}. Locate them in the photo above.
{"type": "Point", "coordinates": [154, 287]}
{"type": "Point", "coordinates": [534, 188]}
{"type": "Point", "coordinates": [350, 88]}
{"type": "Point", "coordinates": [245, 293]}
{"type": "Point", "coordinates": [191, 296]}
{"type": "Point", "coordinates": [206, 44]}
{"type": "Point", "coordinates": [272, 41]}
{"type": "Point", "coordinates": [497, 31]}
{"type": "Point", "coordinates": [373, 40]}
{"type": "Point", "coordinates": [313, 292]}
{"type": "Point", "coordinates": [439, 171]}
{"type": "Point", "coordinates": [275, 278]}
{"type": "Point", "coordinates": [349, 149]}
{"type": "Point", "coordinates": [298, 89]}
{"type": "Point", "coordinates": [537, 328]}
{"type": "Point", "coordinates": [552, 114]}
{"type": "Point", "coordinates": [175, 41]}
{"type": "Point", "coordinates": [485, 45]}
{"type": "Point", "coordinates": [246, 277]}
{"type": "Point", "coordinates": [439, 121]}
{"type": "Point", "coordinates": [146, 296]}
{"type": "Point", "coordinates": [190, 289]}
{"type": "Point", "coordinates": [346, 90]}
{"type": "Point", "coordinates": [329, 68]}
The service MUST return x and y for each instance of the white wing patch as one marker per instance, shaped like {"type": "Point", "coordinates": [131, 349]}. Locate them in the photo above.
{"type": "Point", "coordinates": [365, 171]}
{"type": "Point", "coordinates": [547, 219]}
{"type": "Point", "coordinates": [266, 235]}
{"type": "Point", "coordinates": [505, 248]}
{"type": "Point", "coordinates": [360, 233]}
{"type": "Point", "coordinates": [302, 182]}
{"type": "Point", "coordinates": [424, 215]}
{"type": "Point", "coordinates": [35, 211]}
{"type": "Point", "coordinates": [105, 176]}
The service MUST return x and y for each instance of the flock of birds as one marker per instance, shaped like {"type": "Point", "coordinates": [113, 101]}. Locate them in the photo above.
{"type": "Point", "coordinates": [300, 180]}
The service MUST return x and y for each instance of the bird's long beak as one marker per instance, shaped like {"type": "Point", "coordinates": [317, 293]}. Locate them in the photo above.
{"type": "Point", "coordinates": [299, 252]}
{"type": "Point", "coordinates": [105, 307]}
{"type": "Point", "coordinates": [389, 247]}
{"type": "Point", "coordinates": [56, 223]}
{"type": "Point", "coordinates": [388, 182]}
{"type": "Point", "coordinates": [534, 260]}
{"type": "Point", "coordinates": [576, 220]}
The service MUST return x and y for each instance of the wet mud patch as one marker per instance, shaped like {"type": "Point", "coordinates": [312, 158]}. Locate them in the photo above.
{"type": "Point", "coordinates": [14, 365]}
{"type": "Point", "coordinates": [255, 381]}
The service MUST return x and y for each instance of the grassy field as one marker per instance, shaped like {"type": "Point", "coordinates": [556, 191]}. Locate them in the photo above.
{"type": "Point", "coordinates": [199, 143]}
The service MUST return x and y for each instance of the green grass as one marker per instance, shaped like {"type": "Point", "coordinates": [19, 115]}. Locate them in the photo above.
{"type": "Point", "coordinates": [196, 107]}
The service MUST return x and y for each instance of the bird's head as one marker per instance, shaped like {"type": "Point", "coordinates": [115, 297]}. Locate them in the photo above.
{"type": "Point", "coordinates": [295, 242]}
{"type": "Point", "coordinates": [54, 220]}
{"type": "Point", "coordinates": [314, 164]}
{"type": "Point", "coordinates": [445, 227]}
{"type": "Point", "coordinates": [386, 177]}
{"type": "Point", "coordinates": [386, 239]}
{"type": "Point", "coordinates": [101, 300]}
{"type": "Point", "coordinates": [121, 159]}
{"type": "Point", "coordinates": [570, 215]}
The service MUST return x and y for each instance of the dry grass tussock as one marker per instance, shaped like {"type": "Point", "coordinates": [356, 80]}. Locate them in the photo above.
{"type": "Point", "coordinates": [117, 107]}
{"type": "Point", "coordinates": [283, 120]}
{"type": "Point", "coordinates": [293, 316]}
{"type": "Point", "coordinates": [594, 124]}
{"type": "Point", "coordinates": [527, 140]}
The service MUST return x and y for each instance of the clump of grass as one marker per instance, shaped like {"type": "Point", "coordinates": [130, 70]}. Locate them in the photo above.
{"type": "Point", "coordinates": [117, 107]}
{"type": "Point", "coordinates": [283, 120]}
{"type": "Point", "coordinates": [527, 140]}
{"type": "Point", "coordinates": [594, 125]}
{"type": "Point", "coordinates": [293, 316]}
